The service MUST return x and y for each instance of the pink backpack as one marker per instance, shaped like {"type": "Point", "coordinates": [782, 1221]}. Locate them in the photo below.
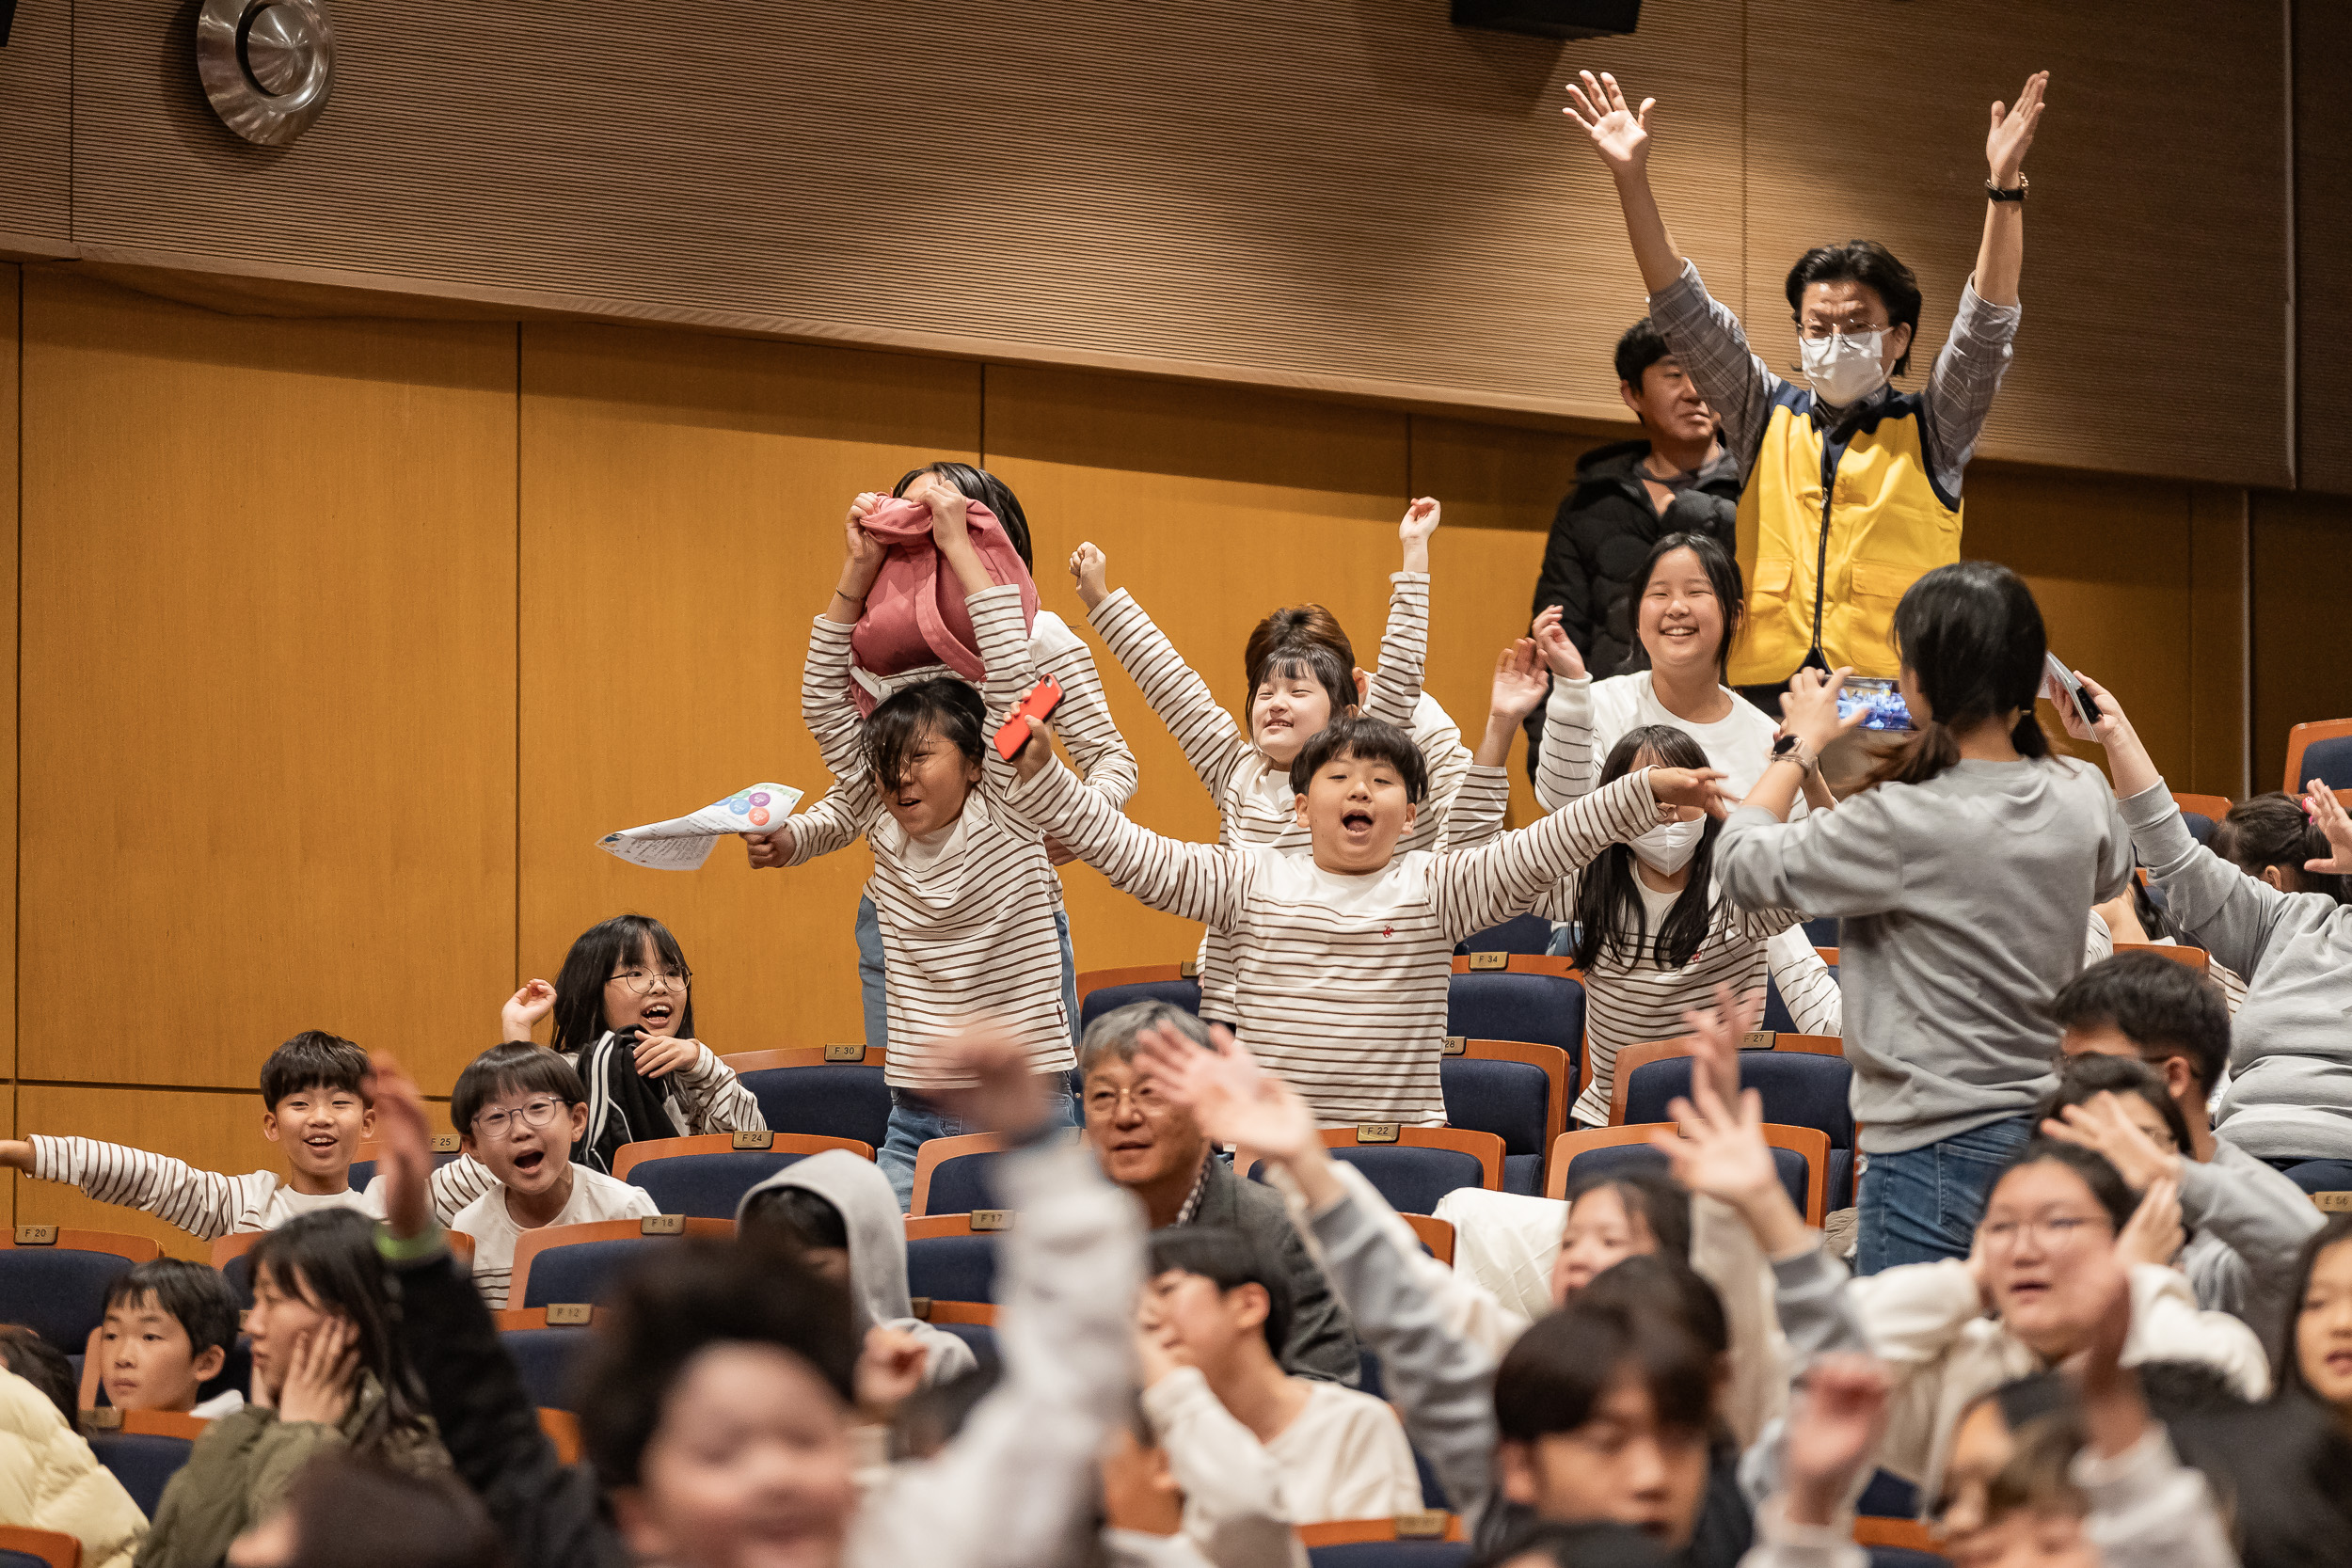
{"type": "Point", "coordinates": [916, 614]}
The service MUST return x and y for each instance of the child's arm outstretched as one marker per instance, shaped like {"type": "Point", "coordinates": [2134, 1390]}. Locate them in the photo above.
{"type": "Point", "coordinates": [1565, 769]}
{"type": "Point", "coordinates": [1392, 694]}
{"type": "Point", "coordinates": [834, 820]}
{"type": "Point", "coordinates": [826, 704]}
{"type": "Point", "coordinates": [203, 1203]}
{"type": "Point", "coordinates": [1196, 881]}
{"type": "Point", "coordinates": [1211, 742]}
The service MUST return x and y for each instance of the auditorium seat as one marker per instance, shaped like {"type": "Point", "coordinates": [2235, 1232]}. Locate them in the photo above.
{"type": "Point", "coordinates": [144, 1462]}
{"type": "Point", "coordinates": [953, 1257]}
{"type": "Point", "coordinates": [23, 1547]}
{"type": "Point", "coordinates": [1415, 1541]}
{"type": "Point", "coordinates": [1534, 999]}
{"type": "Point", "coordinates": [2320, 750]}
{"type": "Point", "coordinates": [1516, 1089]}
{"type": "Point", "coordinates": [1105, 991]}
{"type": "Point", "coordinates": [571, 1263]}
{"type": "Point", "coordinates": [1412, 1167]}
{"type": "Point", "coordinates": [546, 1358]}
{"type": "Point", "coordinates": [708, 1175]}
{"type": "Point", "coordinates": [1525, 933]}
{"type": "Point", "coordinates": [1801, 1154]}
{"type": "Point", "coordinates": [1804, 1080]}
{"type": "Point", "coordinates": [363, 1163]}
{"type": "Point", "coordinates": [820, 1092]}
{"type": "Point", "coordinates": [53, 1281]}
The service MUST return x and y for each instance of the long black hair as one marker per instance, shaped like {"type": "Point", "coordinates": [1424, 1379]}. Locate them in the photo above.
{"type": "Point", "coordinates": [951, 709]}
{"type": "Point", "coordinates": [981, 485]}
{"type": "Point", "coordinates": [2264, 830]}
{"type": "Point", "coordinates": [2289, 1375]}
{"type": "Point", "coordinates": [1972, 638]}
{"type": "Point", "coordinates": [1722, 576]}
{"type": "Point", "coordinates": [1608, 908]}
{"type": "Point", "coordinates": [328, 1258]}
{"type": "Point", "coordinates": [603, 947]}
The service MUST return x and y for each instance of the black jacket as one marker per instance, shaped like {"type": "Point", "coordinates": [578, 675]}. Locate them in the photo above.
{"type": "Point", "coordinates": [550, 1513]}
{"type": "Point", "coordinates": [1322, 1342]}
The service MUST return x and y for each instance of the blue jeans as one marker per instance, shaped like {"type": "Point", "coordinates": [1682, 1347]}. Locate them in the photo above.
{"type": "Point", "coordinates": [2316, 1176]}
{"type": "Point", "coordinates": [876, 999]}
{"type": "Point", "coordinates": [915, 1120]}
{"type": "Point", "coordinates": [1923, 1205]}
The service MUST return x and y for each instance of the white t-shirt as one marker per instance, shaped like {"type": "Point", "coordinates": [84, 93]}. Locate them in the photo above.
{"type": "Point", "coordinates": [1343, 1456]}
{"type": "Point", "coordinates": [287, 1204]}
{"type": "Point", "coordinates": [1584, 721]}
{"type": "Point", "coordinates": [595, 1196]}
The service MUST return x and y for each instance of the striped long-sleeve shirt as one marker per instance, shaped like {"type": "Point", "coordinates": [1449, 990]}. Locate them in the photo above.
{"type": "Point", "coordinates": [968, 921]}
{"type": "Point", "coordinates": [203, 1203]}
{"type": "Point", "coordinates": [1342, 979]}
{"type": "Point", "coordinates": [1255, 805]}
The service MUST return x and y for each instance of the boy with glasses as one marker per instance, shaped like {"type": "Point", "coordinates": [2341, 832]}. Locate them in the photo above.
{"type": "Point", "coordinates": [519, 1110]}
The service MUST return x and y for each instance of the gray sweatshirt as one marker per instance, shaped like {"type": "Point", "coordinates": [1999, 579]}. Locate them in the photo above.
{"type": "Point", "coordinates": [2290, 1093]}
{"type": "Point", "coordinates": [2248, 1226]}
{"type": "Point", "coordinates": [1963, 902]}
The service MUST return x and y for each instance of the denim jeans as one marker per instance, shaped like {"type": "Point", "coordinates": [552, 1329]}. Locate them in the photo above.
{"type": "Point", "coordinates": [915, 1120]}
{"type": "Point", "coordinates": [876, 1000]}
{"type": "Point", "coordinates": [1923, 1204]}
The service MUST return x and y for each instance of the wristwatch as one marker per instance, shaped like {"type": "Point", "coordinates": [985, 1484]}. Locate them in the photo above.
{"type": "Point", "coordinates": [1997, 192]}
{"type": "Point", "coordinates": [1790, 749]}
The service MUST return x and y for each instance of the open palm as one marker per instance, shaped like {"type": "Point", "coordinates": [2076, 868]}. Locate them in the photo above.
{"type": "Point", "coordinates": [1232, 1098]}
{"type": "Point", "coordinates": [1620, 132]}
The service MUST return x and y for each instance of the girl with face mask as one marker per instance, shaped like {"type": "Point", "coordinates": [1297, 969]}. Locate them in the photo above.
{"type": "Point", "coordinates": [1655, 938]}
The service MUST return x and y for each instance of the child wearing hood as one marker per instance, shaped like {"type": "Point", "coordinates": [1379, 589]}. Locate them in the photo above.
{"type": "Point", "coordinates": [837, 1217]}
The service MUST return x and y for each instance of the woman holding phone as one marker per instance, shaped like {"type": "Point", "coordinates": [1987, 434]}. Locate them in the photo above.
{"type": "Point", "coordinates": [1964, 879]}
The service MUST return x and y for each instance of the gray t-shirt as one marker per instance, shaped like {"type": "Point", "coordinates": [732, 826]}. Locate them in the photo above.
{"type": "Point", "coordinates": [1963, 902]}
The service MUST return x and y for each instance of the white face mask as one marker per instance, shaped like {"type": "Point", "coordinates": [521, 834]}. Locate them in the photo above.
{"type": "Point", "coordinates": [1844, 369]}
{"type": "Point", "coordinates": [1668, 847]}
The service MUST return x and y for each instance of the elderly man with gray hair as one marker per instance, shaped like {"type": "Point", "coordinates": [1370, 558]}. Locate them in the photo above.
{"type": "Point", "coordinates": [1158, 1151]}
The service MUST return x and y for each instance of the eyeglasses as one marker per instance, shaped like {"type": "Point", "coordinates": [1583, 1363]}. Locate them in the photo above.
{"type": "Point", "coordinates": [2055, 1230]}
{"type": "Point", "coordinates": [1144, 1097]}
{"type": "Point", "coordinates": [641, 981]}
{"type": "Point", "coordinates": [496, 1124]}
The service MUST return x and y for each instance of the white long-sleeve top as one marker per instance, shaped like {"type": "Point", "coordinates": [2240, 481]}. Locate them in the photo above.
{"type": "Point", "coordinates": [1340, 980]}
{"type": "Point", "coordinates": [1343, 1456]}
{"type": "Point", "coordinates": [1255, 805]}
{"type": "Point", "coordinates": [203, 1203]}
{"type": "Point", "coordinates": [968, 921]}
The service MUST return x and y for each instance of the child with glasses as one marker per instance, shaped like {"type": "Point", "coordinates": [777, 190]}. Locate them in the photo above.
{"type": "Point", "coordinates": [520, 1111]}
{"type": "Point", "coordinates": [623, 1008]}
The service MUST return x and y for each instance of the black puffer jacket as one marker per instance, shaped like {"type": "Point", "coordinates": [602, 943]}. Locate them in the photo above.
{"type": "Point", "coordinates": [1601, 535]}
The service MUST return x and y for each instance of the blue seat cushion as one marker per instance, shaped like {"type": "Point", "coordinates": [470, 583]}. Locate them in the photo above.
{"type": "Point", "coordinates": [1391, 1554]}
{"type": "Point", "coordinates": [962, 1185]}
{"type": "Point", "coordinates": [363, 1171]}
{"type": "Point", "coordinates": [1106, 999]}
{"type": "Point", "coordinates": [581, 1271]}
{"type": "Point", "coordinates": [143, 1462]}
{"type": "Point", "coordinates": [1413, 1180]}
{"type": "Point", "coordinates": [953, 1268]}
{"type": "Point", "coordinates": [1523, 933]}
{"type": "Point", "coordinates": [981, 1338]}
{"type": "Point", "coordinates": [545, 1357]}
{"type": "Point", "coordinates": [2328, 761]}
{"type": "Point", "coordinates": [1523, 1174]}
{"type": "Point", "coordinates": [59, 1294]}
{"type": "Point", "coordinates": [1547, 1009]}
{"type": "Point", "coordinates": [2199, 826]}
{"type": "Point", "coordinates": [1500, 1097]}
{"type": "Point", "coordinates": [708, 1186]}
{"type": "Point", "coordinates": [1793, 1175]}
{"type": "Point", "coordinates": [833, 1100]}
{"type": "Point", "coordinates": [1799, 1089]}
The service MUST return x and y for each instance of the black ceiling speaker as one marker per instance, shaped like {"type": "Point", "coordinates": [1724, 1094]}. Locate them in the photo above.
{"type": "Point", "coordinates": [1550, 19]}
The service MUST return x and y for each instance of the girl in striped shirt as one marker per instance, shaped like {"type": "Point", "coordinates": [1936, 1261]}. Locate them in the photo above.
{"type": "Point", "coordinates": [962, 889]}
{"type": "Point", "coordinates": [1342, 956]}
{"type": "Point", "coordinates": [1301, 676]}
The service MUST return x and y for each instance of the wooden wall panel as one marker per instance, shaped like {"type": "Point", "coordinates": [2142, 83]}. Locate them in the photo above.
{"type": "Point", "coordinates": [12, 410]}
{"type": "Point", "coordinates": [269, 592]}
{"type": "Point", "coordinates": [2108, 563]}
{"type": "Point", "coordinates": [2322, 247]}
{"type": "Point", "coordinates": [1213, 508]}
{"type": "Point", "coordinates": [2155, 328]}
{"type": "Point", "coordinates": [36, 87]}
{"type": "Point", "coordinates": [2220, 612]}
{"type": "Point", "coordinates": [213, 1130]}
{"type": "Point", "coordinates": [2301, 580]}
{"type": "Point", "coordinates": [682, 510]}
{"type": "Point", "coordinates": [1356, 197]}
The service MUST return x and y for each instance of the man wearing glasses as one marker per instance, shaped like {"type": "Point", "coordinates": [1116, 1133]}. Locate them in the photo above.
{"type": "Point", "coordinates": [1851, 489]}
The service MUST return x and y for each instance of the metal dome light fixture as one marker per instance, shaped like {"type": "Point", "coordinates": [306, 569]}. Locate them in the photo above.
{"type": "Point", "coordinates": [266, 65]}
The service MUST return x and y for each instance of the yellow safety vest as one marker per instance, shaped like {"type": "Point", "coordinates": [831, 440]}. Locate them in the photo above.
{"type": "Point", "coordinates": [1887, 524]}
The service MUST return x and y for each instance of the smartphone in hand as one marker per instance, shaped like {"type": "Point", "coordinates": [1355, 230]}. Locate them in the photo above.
{"type": "Point", "coordinates": [1038, 705]}
{"type": "Point", "coordinates": [1879, 697]}
{"type": "Point", "coordinates": [2063, 688]}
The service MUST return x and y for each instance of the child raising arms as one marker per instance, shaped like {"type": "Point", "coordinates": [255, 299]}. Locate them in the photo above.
{"type": "Point", "coordinates": [963, 889]}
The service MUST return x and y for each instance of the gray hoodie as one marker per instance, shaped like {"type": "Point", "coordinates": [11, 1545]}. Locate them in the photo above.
{"type": "Point", "coordinates": [878, 1250]}
{"type": "Point", "coordinates": [1962, 903]}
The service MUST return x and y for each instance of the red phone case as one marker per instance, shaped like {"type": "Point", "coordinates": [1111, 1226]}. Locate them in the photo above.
{"type": "Point", "coordinates": [1040, 704]}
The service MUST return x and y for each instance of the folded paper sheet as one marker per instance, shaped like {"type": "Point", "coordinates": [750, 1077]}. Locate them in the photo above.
{"type": "Point", "coordinates": [683, 842]}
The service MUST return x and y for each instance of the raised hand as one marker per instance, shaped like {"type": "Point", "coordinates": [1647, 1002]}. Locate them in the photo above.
{"type": "Point", "coordinates": [324, 1374]}
{"type": "Point", "coordinates": [2012, 130]}
{"type": "Point", "coordinates": [1715, 1037]}
{"type": "Point", "coordinates": [2100, 1123]}
{"type": "Point", "coordinates": [1035, 752]}
{"type": "Point", "coordinates": [2153, 1233]}
{"type": "Point", "coordinates": [1620, 134]}
{"type": "Point", "coordinates": [1232, 1098]}
{"type": "Point", "coordinates": [525, 1008]}
{"type": "Point", "coordinates": [1698, 787]}
{"type": "Point", "coordinates": [1005, 1096]}
{"type": "Point", "coordinates": [1831, 1433]}
{"type": "Point", "coordinates": [1420, 521]}
{"type": "Point", "coordinates": [2127, 759]}
{"type": "Point", "coordinates": [1519, 684]}
{"type": "Point", "coordinates": [772, 852]}
{"type": "Point", "coordinates": [1809, 709]}
{"type": "Point", "coordinates": [1087, 567]}
{"type": "Point", "coordinates": [659, 1055]}
{"type": "Point", "coordinates": [1559, 650]}
{"type": "Point", "coordinates": [889, 1369]}
{"type": "Point", "coordinates": [404, 1148]}
{"type": "Point", "coordinates": [2328, 814]}
{"type": "Point", "coordinates": [861, 563]}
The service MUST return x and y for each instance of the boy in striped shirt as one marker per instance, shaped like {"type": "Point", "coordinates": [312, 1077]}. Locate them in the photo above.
{"type": "Point", "coordinates": [1343, 954]}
